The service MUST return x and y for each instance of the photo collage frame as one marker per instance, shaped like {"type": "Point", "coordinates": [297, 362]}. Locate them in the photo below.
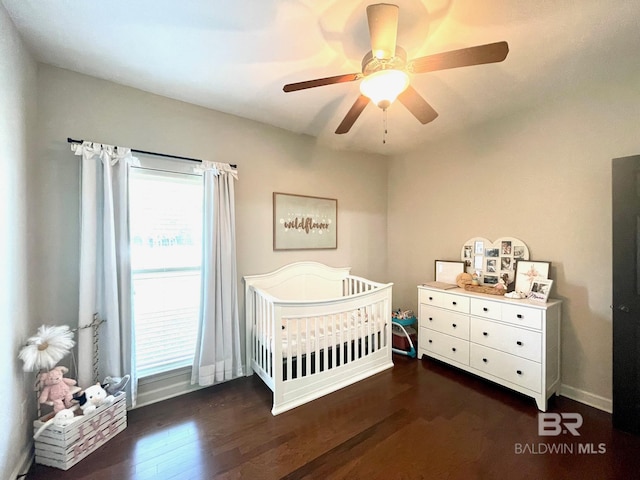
{"type": "Point", "coordinates": [495, 260]}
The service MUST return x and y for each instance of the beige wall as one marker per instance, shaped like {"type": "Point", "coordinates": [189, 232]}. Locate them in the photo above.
{"type": "Point", "coordinates": [544, 177]}
{"type": "Point", "coordinates": [17, 270]}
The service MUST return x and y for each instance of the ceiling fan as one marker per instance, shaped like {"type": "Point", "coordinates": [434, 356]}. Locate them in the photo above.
{"type": "Point", "coordinates": [385, 69]}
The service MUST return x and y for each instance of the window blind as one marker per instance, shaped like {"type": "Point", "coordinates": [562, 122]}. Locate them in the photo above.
{"type": "Point", "coordinates": [166, 231]}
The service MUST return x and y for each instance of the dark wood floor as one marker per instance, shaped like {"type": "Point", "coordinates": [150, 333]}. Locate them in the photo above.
{"type": "Point", "coordinates": [420, 420]}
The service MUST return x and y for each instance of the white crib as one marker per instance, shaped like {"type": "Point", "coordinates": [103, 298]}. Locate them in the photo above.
{"type": "Point", "coordinates": [313, 329]}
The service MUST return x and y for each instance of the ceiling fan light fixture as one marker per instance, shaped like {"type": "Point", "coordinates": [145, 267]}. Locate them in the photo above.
{"type": "Point", "coordinates": [381, 54]}
{"type": "Point", "coordinates": [384, 86]}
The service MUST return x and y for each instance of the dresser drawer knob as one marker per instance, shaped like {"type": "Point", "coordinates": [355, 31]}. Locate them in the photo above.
{"type": "Point", "coordinates": [454, 325]}
{"type": "Point", "coordinates": [486, 334]}
{"type": "Point", "coordinates": [431, 319]}
{"type": "Point", "coordinates": [455, 303]}
{"type": "Point", "coordinates": [519, 372]}
{"type": "Point", "coordinates": [485, 309]}
{"type": "Point", "coordinates": [519, 343]}
{"type": "Point", "coordinates": [453, 349]}
{"type": "Point", "coordinates": [519, 315]}
{"type": "Point", "coordinates": [485, 360]}
{"type": "Point", "coordinates": [430, 298]}
{"type": "Point", "coordinates": [430, 341]}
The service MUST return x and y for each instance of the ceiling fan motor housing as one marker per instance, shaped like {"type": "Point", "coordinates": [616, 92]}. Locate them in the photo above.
{"type": "Point", "coordinates": [372, 64]}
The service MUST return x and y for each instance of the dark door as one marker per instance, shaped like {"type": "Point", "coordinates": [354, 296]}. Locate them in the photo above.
{"type": "Point", "coordinates": [626, 293]}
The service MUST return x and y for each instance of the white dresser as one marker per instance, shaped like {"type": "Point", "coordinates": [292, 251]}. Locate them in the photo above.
{"type": "Point", "coordinates": [515, 343]}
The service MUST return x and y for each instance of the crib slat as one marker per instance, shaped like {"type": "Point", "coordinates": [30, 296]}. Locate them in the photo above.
{"type": "Point", "coordinates": [299, 349]}
{"type": "Point", "coordinates": [325, 338]}
{"type": "Point", "coordinates": [363, 332]}
{"type": "Point", "coordinates": [274, 334]}
{"type": "Point", "coordinates": [348, 332]}
{"type": "Point", "coordinates": [287, 356]}
{"type": "Point", "coordinates": [381, 321]}
{"type": "Point", "coordinates": [259, 337]}
{"type": "Point", "coordinates": [319, 336]}
{"type": "Point", "coordinates": [344, 337]}
{"type": "Point", "coordinates": [308, 346]}
{"type": "Point", "coordinates": [254, 325]}
{"type": "Point", "coordinates": [338, 343]}
{"type": "Point", "coordinates": [266, 334]}
{"type": "Point", "coordinates": [334, 338]}
{"type": "Point", "coordinates": [369, 329]}
{"type": "Point", "coordinates": [376, 322]}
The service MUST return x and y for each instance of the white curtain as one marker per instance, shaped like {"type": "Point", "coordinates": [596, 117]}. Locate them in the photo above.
{"type": "Point", "coordinates": [105, 268]}
{"type": "Point", "coordinates": [218, 356]}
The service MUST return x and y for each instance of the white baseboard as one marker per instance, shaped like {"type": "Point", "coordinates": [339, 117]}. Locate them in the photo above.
{"type": "Point", "coordinates": [24, 462]}
{"type": "Point", "coordinates": [164, 388]}
{"type": "Point", "coordinates": [591, 399]}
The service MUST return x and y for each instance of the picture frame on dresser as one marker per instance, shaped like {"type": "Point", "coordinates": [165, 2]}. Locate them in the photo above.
{"type": "Point", "coordinates": [540, 290]}
{"type": "Point", "coordinates": [446, 271]}
{"type": "Point", "coordinates": [527, 271]}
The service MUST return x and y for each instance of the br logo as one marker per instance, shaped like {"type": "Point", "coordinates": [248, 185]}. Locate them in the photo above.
{"type": "Point", "coordinates": [553, 424]}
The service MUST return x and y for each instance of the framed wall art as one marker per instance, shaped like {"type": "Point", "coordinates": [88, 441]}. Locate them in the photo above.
{"type": "Point", "coordinates": [302, 222]}
{"type": "Point", "coordinates": [528, 271]}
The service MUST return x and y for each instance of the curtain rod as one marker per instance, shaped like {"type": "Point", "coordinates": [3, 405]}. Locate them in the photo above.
{"type": "Point", "coordinates": [166, 155]}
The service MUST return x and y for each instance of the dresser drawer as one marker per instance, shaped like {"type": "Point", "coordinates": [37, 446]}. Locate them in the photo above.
{"type": "Point", "coordinates": [486, 308]}
{"type": "Point", "coordinates": [458, 303]}
{"type": "Point", "coordinates": [522, 316]}
{"type": "Point", "coordinates": [514, 340]}
{"type": "Point", "coordinates": [430, 297]}
{"type": "Point", "coordinates": [451, 323]}
{"type": "Point", "coordinates": [517, 370]}
{"type": "Point", "coordinates": [444, 345]}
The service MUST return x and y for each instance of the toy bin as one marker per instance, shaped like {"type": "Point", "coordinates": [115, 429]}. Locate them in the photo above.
{"type": "Point", "coordinates": [405, 336]}
{"type": "Point", "coordinates": [64, 446]}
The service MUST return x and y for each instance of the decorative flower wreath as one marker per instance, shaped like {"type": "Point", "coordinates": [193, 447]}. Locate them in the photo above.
{"type": "Point", "coordinates": [45, 349]}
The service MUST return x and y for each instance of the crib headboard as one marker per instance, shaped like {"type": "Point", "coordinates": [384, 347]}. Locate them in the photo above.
{"type": "Point", "coordinates": [305, 281]}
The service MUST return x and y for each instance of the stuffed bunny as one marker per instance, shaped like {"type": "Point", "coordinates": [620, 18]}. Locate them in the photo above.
{"type": "Point", "coordinates": [56, 390]}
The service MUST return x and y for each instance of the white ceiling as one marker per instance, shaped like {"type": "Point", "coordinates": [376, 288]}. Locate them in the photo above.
{"type": "Point", "coordinates": [234, 56]}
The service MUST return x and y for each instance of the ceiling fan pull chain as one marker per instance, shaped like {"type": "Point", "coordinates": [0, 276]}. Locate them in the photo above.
{"type": "Point", "coordinates": [384, 126]}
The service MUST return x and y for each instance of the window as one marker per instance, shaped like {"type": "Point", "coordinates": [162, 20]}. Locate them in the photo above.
{"type": "Point", "coordinates": [166, 229]}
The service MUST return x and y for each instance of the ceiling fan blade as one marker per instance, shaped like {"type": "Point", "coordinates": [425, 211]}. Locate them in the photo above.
{"type": "Point", "coordinates": [383, 29]}
{"type": "Point", "coordinates": [352, 115]}
{"type": "Point", "coordinates": [417, 105]}
{"type": "Point", "coordinates": [319, 82]}
{"type": "Point", "coordinates": [490, 53]}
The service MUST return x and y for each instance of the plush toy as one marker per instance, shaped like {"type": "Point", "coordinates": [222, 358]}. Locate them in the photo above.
{"type": "Point", "coordinates": [63, 418]}
{"type": "Point", "coordinates": [463, 279]}
{"type": "Point", "coordinates": [56, 390]}
{"type": "Point", "coordinates": [93, 397]}
{"type": "Point", "coordinates": [114, 385]}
